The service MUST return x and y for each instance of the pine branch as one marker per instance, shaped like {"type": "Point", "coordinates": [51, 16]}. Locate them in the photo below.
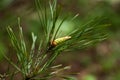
{"type": "Point", "coordinates": [34, 65]}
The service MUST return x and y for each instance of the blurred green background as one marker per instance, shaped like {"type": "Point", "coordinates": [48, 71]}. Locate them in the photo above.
{"type": "Point", "coordinates": [101, 62]}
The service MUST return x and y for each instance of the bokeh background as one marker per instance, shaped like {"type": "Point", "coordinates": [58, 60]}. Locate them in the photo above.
{"type": "Point", "coordinates": [100, 62]}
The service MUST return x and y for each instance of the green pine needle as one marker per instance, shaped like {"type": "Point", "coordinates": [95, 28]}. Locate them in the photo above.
{"type": "Point", "coordinates": [33, 65]}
